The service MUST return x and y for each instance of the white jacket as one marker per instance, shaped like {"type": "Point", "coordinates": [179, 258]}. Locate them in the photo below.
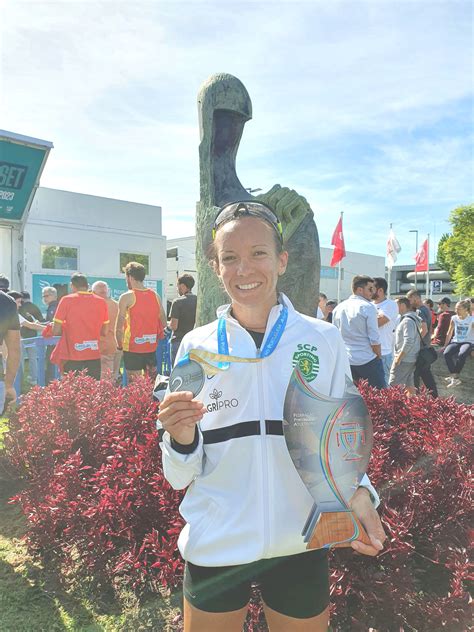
{"type": "Point", "coordinates": [245, 499]}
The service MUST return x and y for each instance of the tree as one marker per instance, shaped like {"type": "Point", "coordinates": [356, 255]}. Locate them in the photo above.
{"type": "Point", "coordinates": [456, 250]}
{"type": "Point", "coordinates": [59, 257]}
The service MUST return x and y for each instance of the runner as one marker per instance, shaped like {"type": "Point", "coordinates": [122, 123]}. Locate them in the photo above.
{"type": "Point", "coordinates": [140, 323]}
{"type": "Point", "coordinates": [246, 505]}
{"type": "Point", "coordinates": [80, 320]}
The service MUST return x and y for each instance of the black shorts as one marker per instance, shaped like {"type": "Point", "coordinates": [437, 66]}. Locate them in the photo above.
{"type": "Point", "coordinates": [138, 361]}
{"type": "Point", "coordinates": [92, 367]}
{"type": "Point", "coordinates": [294, 585]}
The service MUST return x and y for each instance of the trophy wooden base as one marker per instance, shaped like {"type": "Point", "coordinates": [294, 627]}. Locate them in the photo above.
{"type": "Point", "coordinates": [337, 527]}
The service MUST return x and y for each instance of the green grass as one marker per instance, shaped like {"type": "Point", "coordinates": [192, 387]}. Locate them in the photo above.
{"type": "Point", "coordinates": [3, 429]}
{"type": "Point", "coordinates": [32, 600]}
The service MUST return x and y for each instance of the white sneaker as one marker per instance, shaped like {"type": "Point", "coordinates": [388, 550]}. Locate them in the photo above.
{"type": "Point", "coordinates": [448, 379]}
{"type": "Point", "coordinates": [454, 382]}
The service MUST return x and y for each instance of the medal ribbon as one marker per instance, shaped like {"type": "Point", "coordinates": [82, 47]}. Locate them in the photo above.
{"type": "Point", "coordinates": [223, 360]}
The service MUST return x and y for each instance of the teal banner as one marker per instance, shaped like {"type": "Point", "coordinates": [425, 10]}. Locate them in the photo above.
{"type": "Point", "coordinates": [61, 283]}
{"type": "Point", "coordinates": [20, 168]}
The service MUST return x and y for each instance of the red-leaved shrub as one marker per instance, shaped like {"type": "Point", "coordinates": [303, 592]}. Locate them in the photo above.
{"type": "Point", "coordinates": [97, 503]}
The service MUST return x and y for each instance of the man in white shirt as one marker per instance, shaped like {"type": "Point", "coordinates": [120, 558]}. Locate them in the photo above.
{"type": "Point", "coordinates": [356, 319]}
{"type": "Point", "coordinates": [387, 314]}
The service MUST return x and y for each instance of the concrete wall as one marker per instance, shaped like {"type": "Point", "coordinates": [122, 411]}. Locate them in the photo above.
{"type": "Point", "coordinates": [11, 254]}
{"type": "Point", "coordinates": [354, 263]}
{"type": "Point", "coordinates": [100, 228]}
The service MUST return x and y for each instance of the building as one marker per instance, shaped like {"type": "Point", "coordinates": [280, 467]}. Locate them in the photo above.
{"type": "Point", "coordinates": [352, 264]}
{"type": "Point", "coordinates": [403, 279]}
{"type": "Point", "coordinates": [181, 258]}
{"type": "Point", "coordinates": [67, 232]}
{"type": "Point", "coordinates": [47, 234]}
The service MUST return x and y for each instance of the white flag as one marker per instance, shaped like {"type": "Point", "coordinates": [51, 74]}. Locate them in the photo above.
{"type": "Point", "coordinates": [393, 248]}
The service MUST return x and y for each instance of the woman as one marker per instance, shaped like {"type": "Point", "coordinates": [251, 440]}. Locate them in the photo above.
{"type": "Point", "coordinates": [459, 346]}
{"type": "Point", "coordinates": [246, 505]}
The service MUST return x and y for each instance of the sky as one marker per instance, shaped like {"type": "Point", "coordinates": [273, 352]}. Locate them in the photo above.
{"type": "Point", "coordinates": [364, 108]}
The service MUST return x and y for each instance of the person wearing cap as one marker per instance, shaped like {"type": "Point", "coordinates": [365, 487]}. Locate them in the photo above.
{"type": "Point", "coordinates": [245, 504]}
{"type": "Point", "coordinates": [445, 314]}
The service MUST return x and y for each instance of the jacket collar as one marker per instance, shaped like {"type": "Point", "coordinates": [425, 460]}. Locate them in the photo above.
{"type": "Point", "coordinates": [224, 312]}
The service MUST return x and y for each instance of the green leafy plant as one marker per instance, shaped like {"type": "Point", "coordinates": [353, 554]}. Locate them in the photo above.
{"type": "Point", "coordinates": [456, 250]}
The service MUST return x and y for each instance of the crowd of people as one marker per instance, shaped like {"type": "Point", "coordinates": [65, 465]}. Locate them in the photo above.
{"type": "Point", "coordinates": [96, 332]}
{"type": "Point", "coordinates": [384, 337]}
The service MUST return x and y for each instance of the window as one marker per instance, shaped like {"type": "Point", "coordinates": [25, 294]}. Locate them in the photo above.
{"type": "Point", "coordinates": [126, 257]}
{"type": "Point", "coordinates": [59, 257]}
{"type": "Point", "coordinates": [330, 273]}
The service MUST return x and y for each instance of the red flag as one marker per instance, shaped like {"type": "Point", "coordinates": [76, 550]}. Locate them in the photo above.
{"type": "Point", "coordinates": [421, 258]}
{"type": "Point", "coordinates": [338, 242]}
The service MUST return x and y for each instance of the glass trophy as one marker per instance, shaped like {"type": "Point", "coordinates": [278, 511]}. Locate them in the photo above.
{"type": "Point", "coordinates": [329, 440]}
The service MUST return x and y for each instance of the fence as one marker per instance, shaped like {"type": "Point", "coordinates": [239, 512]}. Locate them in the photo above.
{"type": "Point", "coordinates": [40, 344]}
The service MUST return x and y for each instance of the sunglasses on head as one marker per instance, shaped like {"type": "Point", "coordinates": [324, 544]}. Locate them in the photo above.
{"type": "Point", "coordinates": [234, 210]}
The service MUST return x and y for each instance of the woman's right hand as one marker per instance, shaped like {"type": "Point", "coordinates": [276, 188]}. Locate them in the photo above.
{"type": "Point", "coordinates": [179, 414]}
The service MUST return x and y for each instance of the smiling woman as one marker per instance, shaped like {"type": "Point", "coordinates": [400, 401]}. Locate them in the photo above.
{"type": "Point", "coordinates": [246, 504]}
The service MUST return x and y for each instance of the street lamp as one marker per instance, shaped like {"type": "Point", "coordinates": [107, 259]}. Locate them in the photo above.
{"type": "Point", "coordinates": [416, 249]}
{"type": "Point", "coordinates": [250, 190]}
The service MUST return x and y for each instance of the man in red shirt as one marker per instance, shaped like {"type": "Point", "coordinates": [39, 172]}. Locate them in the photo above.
{"type": "Point", "coordinates": [80, 320]}
{"type": "Point", "coordinates": [140, 323]}
{"type": "Point", "coordinates": [444, 318]}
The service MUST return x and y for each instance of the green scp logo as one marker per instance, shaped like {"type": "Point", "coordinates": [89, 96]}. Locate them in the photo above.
{"type": "Point", "coordinates": [307, 361]}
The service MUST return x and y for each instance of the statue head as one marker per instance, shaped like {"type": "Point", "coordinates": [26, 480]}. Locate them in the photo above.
{"type": "Point", "coordinates": [222, 92]}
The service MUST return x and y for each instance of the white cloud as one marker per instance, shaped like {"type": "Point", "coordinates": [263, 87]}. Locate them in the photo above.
{"type": "Point", "coordinates": [114, 85]}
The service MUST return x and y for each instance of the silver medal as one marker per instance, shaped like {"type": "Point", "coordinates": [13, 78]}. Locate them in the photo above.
{"type": "Point", "coordinates": [187, 377]}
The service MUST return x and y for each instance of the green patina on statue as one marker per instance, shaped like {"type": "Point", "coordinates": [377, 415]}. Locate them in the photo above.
{"type": "Point", "coordinates": [224, 107]}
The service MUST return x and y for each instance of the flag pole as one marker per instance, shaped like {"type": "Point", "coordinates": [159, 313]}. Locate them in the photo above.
{"type": "Point", "coordinates": [339, 274]}
{"type": "Point", "coordinates": [389, 268]}
{"type": "Point", "coordinates": [428, 268]}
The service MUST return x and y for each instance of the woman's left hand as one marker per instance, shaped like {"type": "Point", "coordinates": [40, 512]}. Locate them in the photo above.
{"type": "Point", "coordinates": [362, 506]}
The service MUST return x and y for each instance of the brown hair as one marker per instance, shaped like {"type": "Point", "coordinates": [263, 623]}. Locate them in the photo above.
{"type": "Point", "coordinates": [135, 270]}
{"type": "Point", "coordinates": [466, 304]}
{"type": "Point", "coordinates": [187, 280]}
{"type": "Point", "coordinates": [360, 280]}
{"type": "Point", "coordinates": [79, 281]}
{"type": "Point", "coordinates": [405, 301]}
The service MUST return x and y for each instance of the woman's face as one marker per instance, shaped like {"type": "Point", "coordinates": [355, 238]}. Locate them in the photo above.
{"type": "Point", "coordinates": [461, 311]}
{"type": "Point", "coordinates": [248, 263]}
